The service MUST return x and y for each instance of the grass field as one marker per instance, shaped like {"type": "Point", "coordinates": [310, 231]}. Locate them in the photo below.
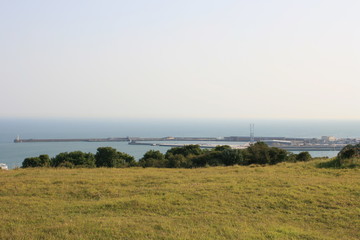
{"type": "Point", "coordinates": [286, 201]}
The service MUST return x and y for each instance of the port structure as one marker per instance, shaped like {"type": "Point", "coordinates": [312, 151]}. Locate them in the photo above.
{"type": "Point", "coordinates": [326, 143]}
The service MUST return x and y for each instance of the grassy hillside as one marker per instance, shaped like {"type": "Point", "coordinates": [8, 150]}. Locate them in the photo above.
{"type": "Point", "coordinates": [286, 201]}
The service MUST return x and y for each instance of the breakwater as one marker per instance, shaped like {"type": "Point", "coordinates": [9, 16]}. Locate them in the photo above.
{"type": "Point", "coordinates": [313, 148]}
{"type": "Point", "coordinates": [243, 146]}
{"type": "Point", "coordinates": [129, 139]}
{"type": "Point", "coordinates": [202, 145]}
{"type": "Point", "coordinates": [290, 144]}
{"type": "Point", "coordinates": [18, 140]}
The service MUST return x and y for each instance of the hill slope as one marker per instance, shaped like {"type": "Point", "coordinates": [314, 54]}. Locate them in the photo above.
{"type": "Point", "coordinates": [286, 201]}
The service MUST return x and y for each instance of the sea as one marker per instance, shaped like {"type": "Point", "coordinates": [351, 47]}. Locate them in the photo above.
{"type": "Point", "coordinates": [14, 153]}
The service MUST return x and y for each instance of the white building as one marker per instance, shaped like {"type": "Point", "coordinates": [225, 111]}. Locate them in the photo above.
{"type": "Point", "coordinates": [3, 166]}
{"type": "Point", "coordinates": [328, 138]}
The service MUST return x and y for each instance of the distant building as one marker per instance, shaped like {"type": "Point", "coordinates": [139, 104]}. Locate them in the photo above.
{"type": "Point", "coordinates": [274, 143]}
{"type": "Point", "coordinates": [328, 138]}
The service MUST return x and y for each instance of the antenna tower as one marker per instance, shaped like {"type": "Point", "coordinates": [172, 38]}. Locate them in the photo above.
{"type": "Point", "coordinates": [252, 133]}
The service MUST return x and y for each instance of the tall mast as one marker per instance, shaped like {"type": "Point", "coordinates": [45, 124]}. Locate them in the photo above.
{"type": "Point", "coordinates": [252, 133]}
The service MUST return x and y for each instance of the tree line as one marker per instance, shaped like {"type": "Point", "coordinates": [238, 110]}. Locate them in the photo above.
{"type": "Point", "coordinates": [104, 157]}
{"type": "Point", "coordinates": [189, 156]}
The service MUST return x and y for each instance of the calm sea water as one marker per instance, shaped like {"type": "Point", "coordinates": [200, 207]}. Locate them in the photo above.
{"type": "Point", "coordinates": [13, 154]}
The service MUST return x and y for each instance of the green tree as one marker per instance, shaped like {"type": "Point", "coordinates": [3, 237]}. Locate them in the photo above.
{"type": "Point", "coordinates": [109, 157]}
{"type": "Point", "coordinates": [179, 161]}
{"type": "Point", "coordinates": [291, 157]}
{"type": "Point", "coordinates": [221, 148]}
{"type": "Point", "coordinates": [232, 156]}
{"type": "Point", "coordinates": [257, 153]}
{"type": "Point", "coordinates": [219, 156]}
{"type": "Point", "coordinates": [277, 155]}
{"type": "Point", "coordinates": [153, 158]}
{"type": "Point", "coordinates": [41, 161]}
{"type": "Point", "coordinates": [31, 162]}
{"type": "Point", "coordinates": [76, 158]}
{"type": "Point", "coordinates": [66, 165]}
{"type": "Point", "coordinates": [303, 156]}
{"type": "Point", "coordinates": [126, 159]}
{"type": "Point", "coordinates": [349, 151]}
{"type": "Point", "coordinates": [261, 153]}
{"type": "Point", "coordinates": [184, 150]}
{"type": "Point", "coordinates": [211, 158]}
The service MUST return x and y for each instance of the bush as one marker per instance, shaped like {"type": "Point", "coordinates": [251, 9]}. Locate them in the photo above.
{"type": "Point", "coordinates": [303, 156]}
{"type": "Point", "coordinates": [179, 161]}
{"type": "Point", "coordinates": [277, 155]}
{"type": "Point", "coordinates": [211, 158]}
{"type": "Point", "coordinates": [184, 150]}
{"type": "Point", "coordinates": [349, 151]}
{"type": "Point", "coordinates": [41, 161]}
{"type": "Point", "coordinates": [232, 156]}
{"type": "Point", "coordinates": [291, 157]}
{"type": "Point", "coordinates": [127, 160]}
{"type": "Point", "coordinates": [221, 148]}
{"type": "Point", "coordinates": [223, 157]}
{"type": "Point", "coordinates": [348, 157]}
{"type": "Point", "coordinates": [340, 163]}
{"type": "Point", "coordinates": [109, 157]}
{"type": "Point", "coordinates": [72, 159]}
{"type": "Point", "coordinates": [66, 164]}
{"type": "Point", "coordinates": [153, 158]}
{"type": "Point", "coordinates": [261, 153]}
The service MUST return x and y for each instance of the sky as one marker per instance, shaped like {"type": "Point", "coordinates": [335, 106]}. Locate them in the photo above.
{"type": "Point", "coordinates": [227, 59]}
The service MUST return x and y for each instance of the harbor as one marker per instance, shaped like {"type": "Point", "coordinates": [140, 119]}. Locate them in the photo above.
{"type": "Point", "coordinates": [322, 147]}
{"type": "Point", "coordinates": [325, 143]}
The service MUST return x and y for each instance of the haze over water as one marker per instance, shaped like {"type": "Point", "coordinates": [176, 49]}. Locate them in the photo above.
{"type": "Point", "coordinates": [85, 128]}
{"type": "Point", "coordinates": [141, 59]}
{"type": "Point", "coordinates": [175, 68]}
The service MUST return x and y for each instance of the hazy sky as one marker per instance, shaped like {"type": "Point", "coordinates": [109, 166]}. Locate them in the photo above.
{"type": "Point", "coordinates": [180, 59]}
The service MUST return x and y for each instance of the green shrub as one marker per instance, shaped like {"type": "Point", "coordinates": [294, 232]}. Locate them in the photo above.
{"type": "Point", "coordinates": [221, 148]}
{"type": "Point", "coordinates": [303, 156]}
{"type": "Point", "coordinates": [109, 157]}
{"type": "Point", "coordinates": [153, 158]}
{"type": "Point", "coordinates": [261, 153]}
{"type": "Point", "coordinates": [66, 164]}
{"type": "Point", "coordinates": [41, 161]}
{"type": "Point", "coordinates": [232, 156]}
{"type": "Point", "coordinates": [349, 151]}
{"type": "Point", "coordinates": [211, 158]}
{"type": "Point", "coordinates": [348, 157]}
{"type": "Point", "coordinates": [179, 161]}
{"type": "Point", "coordinates": [72, 159]}
{"type": "Point", "coordinates": [184, 150]}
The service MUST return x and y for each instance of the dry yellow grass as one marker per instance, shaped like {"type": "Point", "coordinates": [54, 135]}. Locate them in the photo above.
{"type": "Point", "coordinates": [286, 201]}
